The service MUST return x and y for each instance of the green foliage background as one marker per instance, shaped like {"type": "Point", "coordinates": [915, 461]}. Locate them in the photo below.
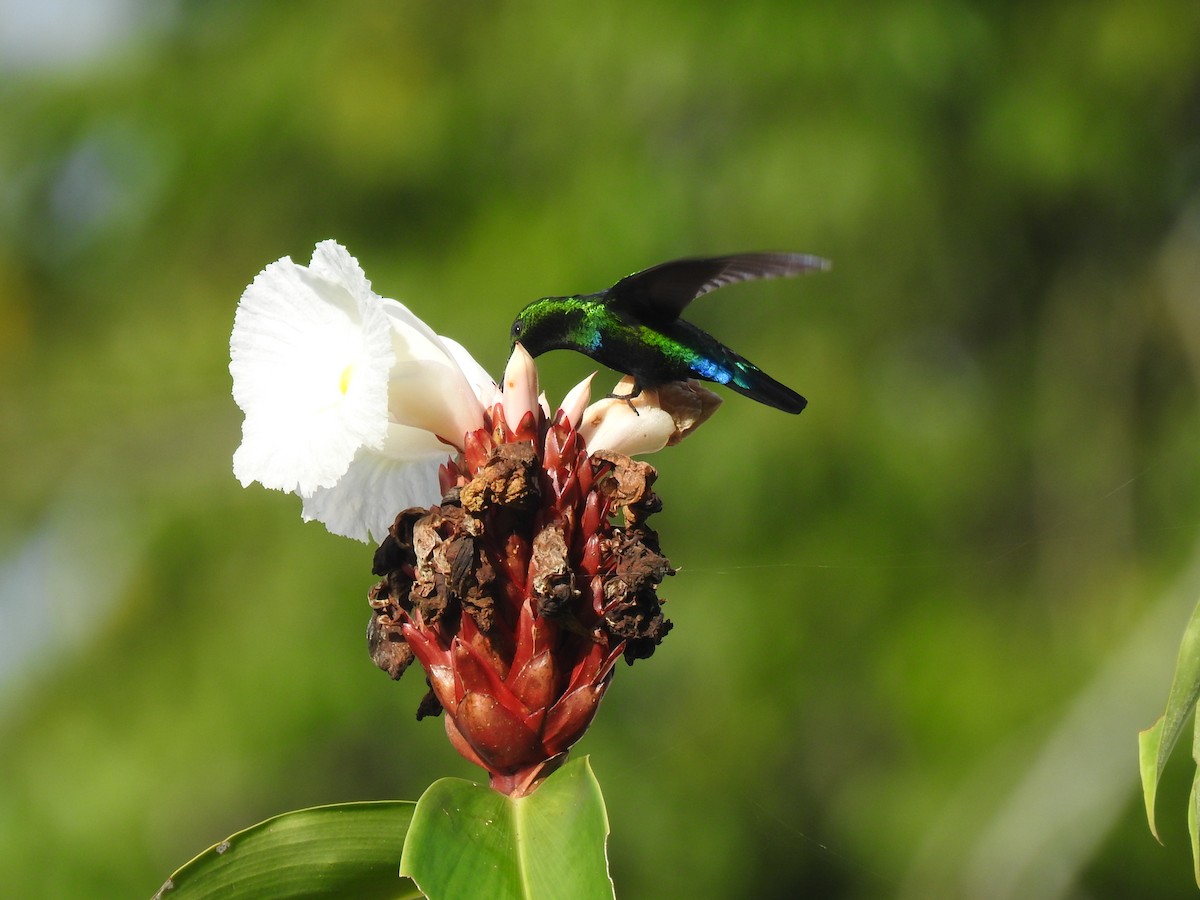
{"type": "Point", "coordinates": [917, 627]}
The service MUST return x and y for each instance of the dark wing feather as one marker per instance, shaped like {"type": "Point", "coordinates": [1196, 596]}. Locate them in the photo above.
{"type": "Point", "coordinates": [659, 294]}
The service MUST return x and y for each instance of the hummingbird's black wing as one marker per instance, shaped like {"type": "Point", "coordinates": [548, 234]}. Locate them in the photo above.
{"type": "Point", "coordinates": [659, 294]}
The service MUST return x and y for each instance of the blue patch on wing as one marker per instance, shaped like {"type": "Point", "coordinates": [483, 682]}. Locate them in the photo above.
{"type": "Point", "coordinates": [596, 340]}
{"type": "Point", "coordinates": [706, 368]}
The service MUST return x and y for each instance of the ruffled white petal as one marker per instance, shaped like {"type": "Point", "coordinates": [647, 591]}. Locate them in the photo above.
{"type": "Point", "coordinates": [310, 358]}
{"type": "Point", "coordinates": [333, 262]}
{"type": "Point", "coordinates": [380, 484]}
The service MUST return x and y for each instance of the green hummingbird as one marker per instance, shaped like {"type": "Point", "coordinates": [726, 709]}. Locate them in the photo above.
{"type": "Point", "coordinates": [634, 326]}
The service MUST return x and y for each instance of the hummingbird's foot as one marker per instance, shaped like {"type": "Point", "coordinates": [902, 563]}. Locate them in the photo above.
{"type": "Point", "coordinates": [628, 398]}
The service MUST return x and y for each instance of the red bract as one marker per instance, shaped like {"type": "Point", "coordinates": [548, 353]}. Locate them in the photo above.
{"type": "Point", "coordinates": [518, 592]}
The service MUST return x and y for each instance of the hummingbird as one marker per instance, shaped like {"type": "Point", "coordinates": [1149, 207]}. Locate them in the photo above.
{"type": "Point", "coordinates": [634, 326]}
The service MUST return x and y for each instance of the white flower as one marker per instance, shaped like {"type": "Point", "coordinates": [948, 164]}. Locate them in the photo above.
{"type": "Point", "coordinates": [351, 401]}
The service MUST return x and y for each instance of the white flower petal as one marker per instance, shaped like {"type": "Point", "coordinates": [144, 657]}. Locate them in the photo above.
{"type": "Point", "coordinates": [333, 262]}
{"type": "Point", "coordinates": [310, 358]}
{"type": "Point", "coordinates": [433, 397]}
{"type": "Point", "coordinates": [627, 426]}
{"type": "Point", "coordinates": [608, 427]}
{"type": "Point", "coordinates": [481, 382]}
{"type": "Point", "coordinates": [380, 484]}
{"type": "Point", "coordinates": [655, 418]}
{"type": "Point", "coordinates": [520, 386]}
{"type": "Point", "coordinates": [577, 399]}
{"type": "Point", "coordinates": [427, 387]}
{"type": "Point", "coordinates": [412, 338]}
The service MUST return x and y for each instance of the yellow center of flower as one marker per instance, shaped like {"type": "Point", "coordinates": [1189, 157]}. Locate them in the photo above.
{"type": "Point", "coordinates": [344, 381]}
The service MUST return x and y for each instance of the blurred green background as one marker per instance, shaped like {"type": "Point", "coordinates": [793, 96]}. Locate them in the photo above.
{"type": "Point", "coordinates": [917, 627]}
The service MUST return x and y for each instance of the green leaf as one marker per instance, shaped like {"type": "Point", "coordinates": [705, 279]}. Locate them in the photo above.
{"type": "Point", "coordinates": [468, 840]}
{"type": "Point", "coordinates": [1194, 804]}
{"type": "Point", "coordinates": [1156, 743]}
{"type": "Point", "coordinates": [344, 850]}
{"type": "Point", "coordinates": [1149, 742]}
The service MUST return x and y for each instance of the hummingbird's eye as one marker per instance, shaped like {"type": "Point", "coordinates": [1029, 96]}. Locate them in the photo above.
{"type": "Point", "coordinates": [517, 328]}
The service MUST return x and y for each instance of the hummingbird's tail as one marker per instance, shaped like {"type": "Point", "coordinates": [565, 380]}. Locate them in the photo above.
{"type": "Point", "coordinates": [751, 381]}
